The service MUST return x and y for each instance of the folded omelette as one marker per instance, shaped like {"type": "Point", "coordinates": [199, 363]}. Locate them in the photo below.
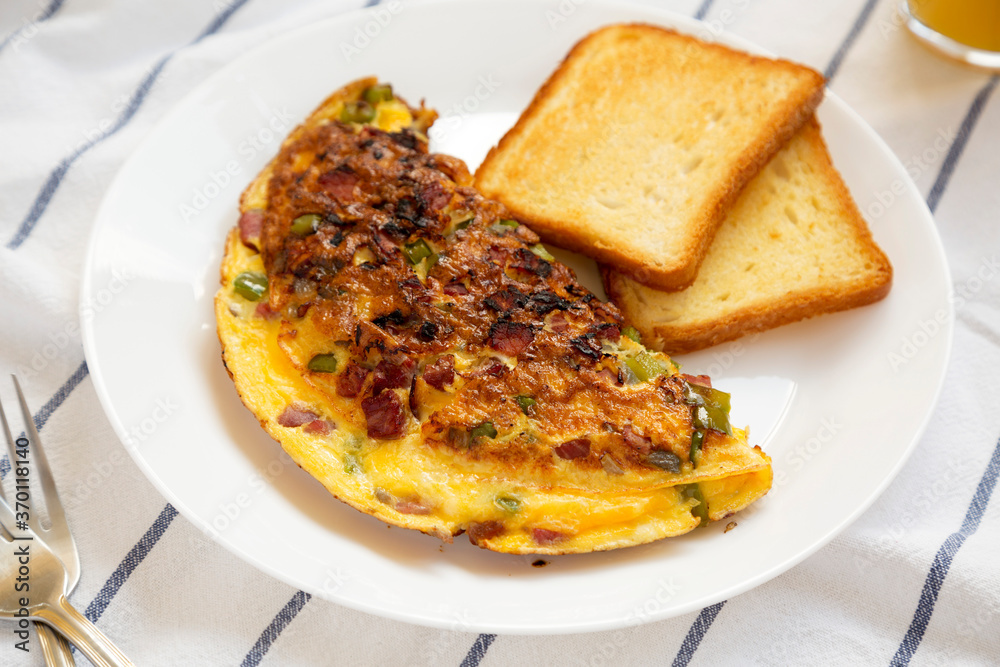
{"type": "Point", "coordinates": [420, 353]}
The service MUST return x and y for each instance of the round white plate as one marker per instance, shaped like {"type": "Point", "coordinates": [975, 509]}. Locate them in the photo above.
{"type": "Point", "coordinates": [838, 401]}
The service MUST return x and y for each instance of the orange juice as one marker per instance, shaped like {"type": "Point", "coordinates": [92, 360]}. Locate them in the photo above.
{"type": "Point", "coordinates": [975, 23]}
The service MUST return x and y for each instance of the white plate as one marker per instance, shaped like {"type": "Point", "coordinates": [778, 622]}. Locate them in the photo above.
{"type": "Point", "coordinates": [826, 398]}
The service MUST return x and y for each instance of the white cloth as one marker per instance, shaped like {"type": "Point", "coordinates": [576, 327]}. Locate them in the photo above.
{"type": "Point", "coordinates": [917, 576]}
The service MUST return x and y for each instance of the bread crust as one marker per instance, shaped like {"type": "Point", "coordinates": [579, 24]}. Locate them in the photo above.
{"type": "Point", "coordinates": [567, 233]}
{"type": "Point", "coordinates": [797, 305]}
{"type": "Point", "coordinates": [739, 323]}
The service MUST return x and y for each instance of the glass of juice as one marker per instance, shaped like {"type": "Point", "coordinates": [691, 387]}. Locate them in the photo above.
{"type": "Point", "coordinates": [968, 30]}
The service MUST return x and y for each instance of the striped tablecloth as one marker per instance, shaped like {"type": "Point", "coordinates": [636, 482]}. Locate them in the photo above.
{"type": "Point", "coordinates": [915, 581]}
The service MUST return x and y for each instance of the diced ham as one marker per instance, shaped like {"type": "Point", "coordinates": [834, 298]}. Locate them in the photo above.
{"type": "Point", "coordinates": [294, 416]}
{"type": "Point", "coordinates": [393, 376]}
{"type": "Point", "coordinates": [350, 382]}
{"type": "Point", "coordinates": [251, 223]}
{"type": "Point", "coordinates": [412, 507]}
{"type": "Point", "coordinates": [637, 442]}
{"type": "Point", "coordinates": [339, 183]}
{"type": "Point", "coordinates": [574, 449]}
{"type": "Point", "coordinates": [484, 530]}
{"type": "Point", "coordinates": [558, 322]}
{"type": "Point", "coordinates": [264, 310]}
{"type": "Point", "coordinates": [455, 289]}
{"type": "Point", "coordinates": [546, 536]}
{"type": "Point", "coordinates": [510, 338]}
{"type": "Point", "coordinates": [496, 254]}
{"type": "Point", "coordinates": [441, 372]}
{"type": "Point", "coordinates": [413, 285]}
{"type": "Point", "coordinates": [384, 247]}
{"type": "Point", "coordinates": [492, 367]}
{"type": "Point", "coordinates": [384, 414]}
{"type": "Point", "coordinates": [702, 380]}
{"type": "Point", "coordinates": [319, 427]}
{"type": "Point", "coordinates": [608, 332]}
{"type": "Point", "coordinates": [434, 196]}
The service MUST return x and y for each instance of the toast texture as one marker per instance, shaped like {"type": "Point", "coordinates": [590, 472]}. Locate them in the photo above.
{"type": "Point", "coordinates": [793, 246]}
{"type": "Point", "coordinates": [639, 143]}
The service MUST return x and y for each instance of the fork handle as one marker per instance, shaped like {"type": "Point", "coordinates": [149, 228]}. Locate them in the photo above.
{"type": "Point", "coordinates": [55, 649]}
{"type": "Point", "coordinates": [83, 634]}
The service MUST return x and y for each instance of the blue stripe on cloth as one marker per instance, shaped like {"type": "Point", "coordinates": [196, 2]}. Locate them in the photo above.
{"type": "Point", "coordinates": [280, 622]}
{"type": "Point", "coordinates": [138, 97]}
{"type": "Point", "coordinates": [55, 178]}
{"type": "Point", "coordinates": [705, 6]}
{"type": "Point", "coordinates": [128, 565]}
{"type": "Point", "coordinates": [478, 650]}
{"type": "Point", "coordinates": [61, 395]}
{"type": "Point", "coordinates": [697, 632]}
{"type": "Point", "coordinates": [42, 416]}
{"type": "Point", "coordinates": [852, 36]}
{"type": "Point", "coordinates": [943, 559]}
{"type": "Point", "coordinates": [47, 13]}
{"type": "Point", "coordinates": [958, 145]}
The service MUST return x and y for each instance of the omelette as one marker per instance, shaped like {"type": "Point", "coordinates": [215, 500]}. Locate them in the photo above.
{"type": "Point", "coordinates": [415, 349]}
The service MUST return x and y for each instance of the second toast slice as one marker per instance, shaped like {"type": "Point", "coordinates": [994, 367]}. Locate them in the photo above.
{"type": "Point", "coordinates": [635, 148]}
{"type": "Point", "coordinates": [793, 246]}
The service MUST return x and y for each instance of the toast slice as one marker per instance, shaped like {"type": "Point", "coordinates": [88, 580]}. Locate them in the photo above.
{"type": "Point", "coordinates": [793, 246]}
{"type": "Point", "coordinates": [636, 147]}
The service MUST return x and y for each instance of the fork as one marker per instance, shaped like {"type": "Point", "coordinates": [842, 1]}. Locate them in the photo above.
{"type": "Point", "coordinates": [54, 648]}
{"type": "Point", "coordinates": [28, 558]}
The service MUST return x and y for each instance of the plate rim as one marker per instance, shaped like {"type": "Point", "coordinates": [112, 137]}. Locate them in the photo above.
{"type": "Point", "coordinates": [662, 16]}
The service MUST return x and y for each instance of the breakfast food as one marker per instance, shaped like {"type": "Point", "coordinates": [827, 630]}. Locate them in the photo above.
{"type": "Point", "coordinates": [417, 351]}
{"type": "Point", "coordinates": [638, 144]}
{"type": "Point", "coordinates": [793, 246]}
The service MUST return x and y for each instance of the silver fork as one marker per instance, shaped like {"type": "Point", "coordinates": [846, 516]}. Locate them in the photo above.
{"type": "Point", "coordinates": [28, 559]}
{"type": "Point", "coordinates": [57, 536]}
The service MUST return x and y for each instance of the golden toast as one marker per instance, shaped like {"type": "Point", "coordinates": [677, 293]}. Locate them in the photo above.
{"type": "Point", "coordinates": [638, 144]}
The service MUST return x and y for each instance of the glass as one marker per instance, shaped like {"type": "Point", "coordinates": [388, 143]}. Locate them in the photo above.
{"type": "Point", "coordinates": [968, 30]}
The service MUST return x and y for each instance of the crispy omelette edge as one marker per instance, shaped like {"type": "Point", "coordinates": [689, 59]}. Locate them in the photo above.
{"type": "Point", "coordinates": [315, 455]}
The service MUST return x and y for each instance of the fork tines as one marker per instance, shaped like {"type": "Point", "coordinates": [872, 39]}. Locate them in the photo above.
{"type": "Point", "coordinates": [27, 449]}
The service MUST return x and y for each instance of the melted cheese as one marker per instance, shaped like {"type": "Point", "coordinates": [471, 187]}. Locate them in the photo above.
{"type": "Point", "coordinates": [409, 483]}
{"type": "Point", "coordinates": [267, 372]}
{"type": "Point", "coordinates": [392, 116]}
